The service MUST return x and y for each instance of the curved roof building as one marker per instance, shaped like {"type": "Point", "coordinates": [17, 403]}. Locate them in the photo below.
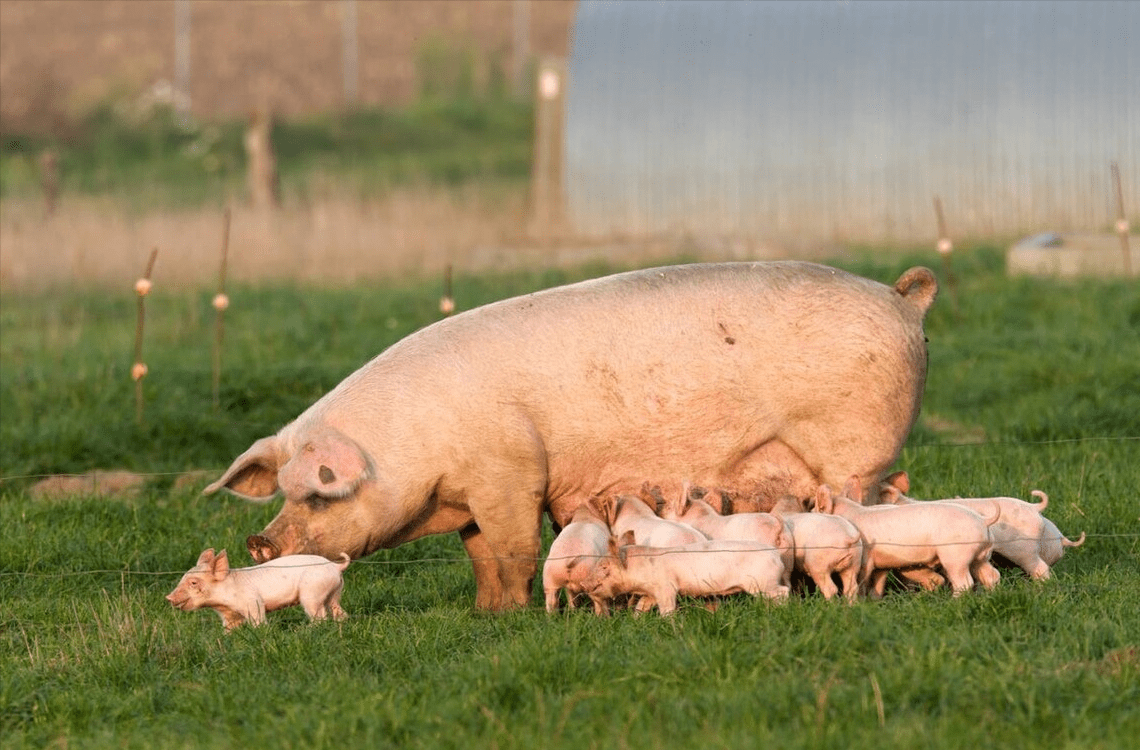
{"type": "Point", "coordinates": [842, 120]}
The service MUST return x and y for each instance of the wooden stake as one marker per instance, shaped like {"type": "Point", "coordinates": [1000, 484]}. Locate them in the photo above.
{"type": "Point", "coordinates": [945, 248]}
{"type": "Point", "coordinates": [447, 302]}
{"type": "Point", "coordinates": [546, 197]}
{"type": "Point", "coordinates": [139, 368]}
{"type": "Point", "coordinates": [220, 303]}
{"type": "Point", "coordinates": [49, 179]}
{"type": "Point", "coordinates": [1121, 220]}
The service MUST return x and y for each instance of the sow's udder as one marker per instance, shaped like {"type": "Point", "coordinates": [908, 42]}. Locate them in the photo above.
{"type": "Point", "coordinates": [261, 548]}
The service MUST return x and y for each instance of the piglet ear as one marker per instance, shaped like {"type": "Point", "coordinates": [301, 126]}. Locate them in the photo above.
{"type": "Point", "coordinates": [612, 546]}
{"type": "Point", "coordinates": [253, 474]}
{"type": "Point", "coordinates": [682, 503]}
{"type": "Point", "coordinates": [618, 546]}
{"type": "Point", "coordinates": [328, 464]}
{"type": "Point", "coordinates": [207, 557]}
{"type": "Point", "coordinates": [609, 506]}
{"type": "Point", "coordinates": [649, 497]}
{"type": "Point", "coordinates": [824, 503]}
{"type": "Point", "coordinates": [221, 566]}
{"type": "Point", "coordinates": [853, 488]}
{"type": "Point", "coordinates": [899, 480]}
{"type": "Point", "coordinates": [726, 508]}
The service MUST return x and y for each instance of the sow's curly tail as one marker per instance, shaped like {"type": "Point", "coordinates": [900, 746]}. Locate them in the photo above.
{"type": "Point", "coordinates": [918, 286]}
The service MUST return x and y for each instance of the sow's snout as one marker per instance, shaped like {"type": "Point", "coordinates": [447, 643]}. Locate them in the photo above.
{"type": "Point", "coordinates": [261, 548]}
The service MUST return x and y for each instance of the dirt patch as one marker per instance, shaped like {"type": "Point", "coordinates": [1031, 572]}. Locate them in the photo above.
{"type": "Point", "coordinates": [195, 480]}
{"type": "Point", "coordinates": [98, 483]}
{"type": "Point", "coordinates": [1118, 660]}
{"type": "Point", "coordinates": [953, 432]}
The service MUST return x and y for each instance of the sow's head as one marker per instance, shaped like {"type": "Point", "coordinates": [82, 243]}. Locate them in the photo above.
{"type": "Point", "coordinates": [320, 477]}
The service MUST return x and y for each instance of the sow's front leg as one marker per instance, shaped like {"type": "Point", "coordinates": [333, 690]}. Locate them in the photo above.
{"type": "Point", "coordinates": [506, 499]}
{"type": "Point", "coordinates": [504, 546]}
{"type": "Point", "coordinates": [488, 588]}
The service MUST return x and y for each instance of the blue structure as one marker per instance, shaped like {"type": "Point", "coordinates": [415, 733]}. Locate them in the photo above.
{"type": "Point", "coordinates": [842, 120]}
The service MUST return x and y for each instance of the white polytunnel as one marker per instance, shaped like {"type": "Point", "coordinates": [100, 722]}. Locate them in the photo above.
{"type": "Point", "coordinates": [841, 121]}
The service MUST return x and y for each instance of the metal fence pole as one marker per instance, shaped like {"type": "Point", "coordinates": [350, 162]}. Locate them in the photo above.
{"type": "Point", "coordinates": [520, 48]}
{"type": "Point", "coordinates": [182, 9]}
{"type": "Point", "coordinates": [349, 54]}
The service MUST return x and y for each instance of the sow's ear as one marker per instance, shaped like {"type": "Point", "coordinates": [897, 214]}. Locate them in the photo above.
{"type": "Point", "coordinates": [328, 465]}
{"type": "Point", "coordinates": [253, 474]}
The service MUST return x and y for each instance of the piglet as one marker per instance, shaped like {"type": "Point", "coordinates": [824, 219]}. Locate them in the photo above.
{"type": "Point", "coordinates": [1022, 534]}
{"type": "Point", "coordinates": [709, 568]}
{"type": "Point", "coordinates": [243, 594]}
{"type": "Point", "coordinates": [637, 513]}
{"type": "Point", "coordinates": [739, 527]}
{"type": "Point", "coordinates": [913, 536]}
{"type": "Point", "coordinates": [822, 545]}
{"type": "Point", "coordinates": [573, 554]}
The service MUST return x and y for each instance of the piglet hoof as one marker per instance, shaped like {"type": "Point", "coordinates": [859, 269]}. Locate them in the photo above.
{"type": "Point", "coordinates": [261, 549]}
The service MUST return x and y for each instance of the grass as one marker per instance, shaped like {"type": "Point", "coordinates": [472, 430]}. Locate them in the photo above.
{"type": "Point", "coordinates": [1033, 384]}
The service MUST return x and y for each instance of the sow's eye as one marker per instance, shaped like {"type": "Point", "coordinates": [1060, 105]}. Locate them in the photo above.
{"type": "Point", "coordinates": [315, 502]}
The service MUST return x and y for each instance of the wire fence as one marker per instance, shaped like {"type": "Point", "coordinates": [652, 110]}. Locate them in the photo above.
{"type": "Point", "coordinates": [642, 552]}
{"type": "Point", "coordinates": [465, 559]}
{"type": "Point", "coordinates": [919, 446]}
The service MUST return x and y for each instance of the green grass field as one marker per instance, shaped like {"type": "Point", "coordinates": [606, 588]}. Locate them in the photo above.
{"type": "Point", "coordinates": [1034, 384]}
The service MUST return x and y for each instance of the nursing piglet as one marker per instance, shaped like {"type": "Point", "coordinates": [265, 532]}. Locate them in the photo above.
{"type": "Point", "coordinates": [636, 514]}
{"type": "Point", "coordinates": [740, 527]}
{"type": "Point", "coordinates": [708, 568]}
{"type": "Point", "coordinates": [909, 536]}
{"type": "Point", "coordinates": [573, 554]}
{"type": "Point", "coordinates": [822, 545]}
{"type": "Point", "coordinates": [246, 594]}
{"type": "Point", "coordinates": [1021, 535]}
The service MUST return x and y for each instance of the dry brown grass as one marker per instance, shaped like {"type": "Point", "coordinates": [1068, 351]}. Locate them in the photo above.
{"type": "Point", "coordinates": [91, 241]}
{"type": "Point", "coordinates": [333, 239]}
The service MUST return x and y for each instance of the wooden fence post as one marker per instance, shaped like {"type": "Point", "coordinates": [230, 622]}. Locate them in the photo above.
{"type": "Point", "coordinates": [1121, 220]}
{"type": "Point", "coordinates": [220, 303]}
{"type": "Point", "coordinates": [945, 248]}
{"type": "Point", "coordinates": [139, 368]}
{"type": "Point", "coordinates": [49, 179]}
{"type": "Point", "coordinates": [447, 302]}
{"type": "Point", "coordinates": [546, 172]}
{"type": "Point", "coordinates": [261, 165]}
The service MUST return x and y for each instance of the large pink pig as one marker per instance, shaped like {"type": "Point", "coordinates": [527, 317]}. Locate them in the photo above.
{"type": "Point", "coordinates": [758, 378]}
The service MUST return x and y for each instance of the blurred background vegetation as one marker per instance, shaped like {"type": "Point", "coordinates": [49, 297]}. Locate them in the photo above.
{"type": "Point", "coordinates": [455, 131]}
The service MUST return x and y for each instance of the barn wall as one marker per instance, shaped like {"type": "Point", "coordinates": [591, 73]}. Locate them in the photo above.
{"type": "Point", "coordinates": [842, 120]}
